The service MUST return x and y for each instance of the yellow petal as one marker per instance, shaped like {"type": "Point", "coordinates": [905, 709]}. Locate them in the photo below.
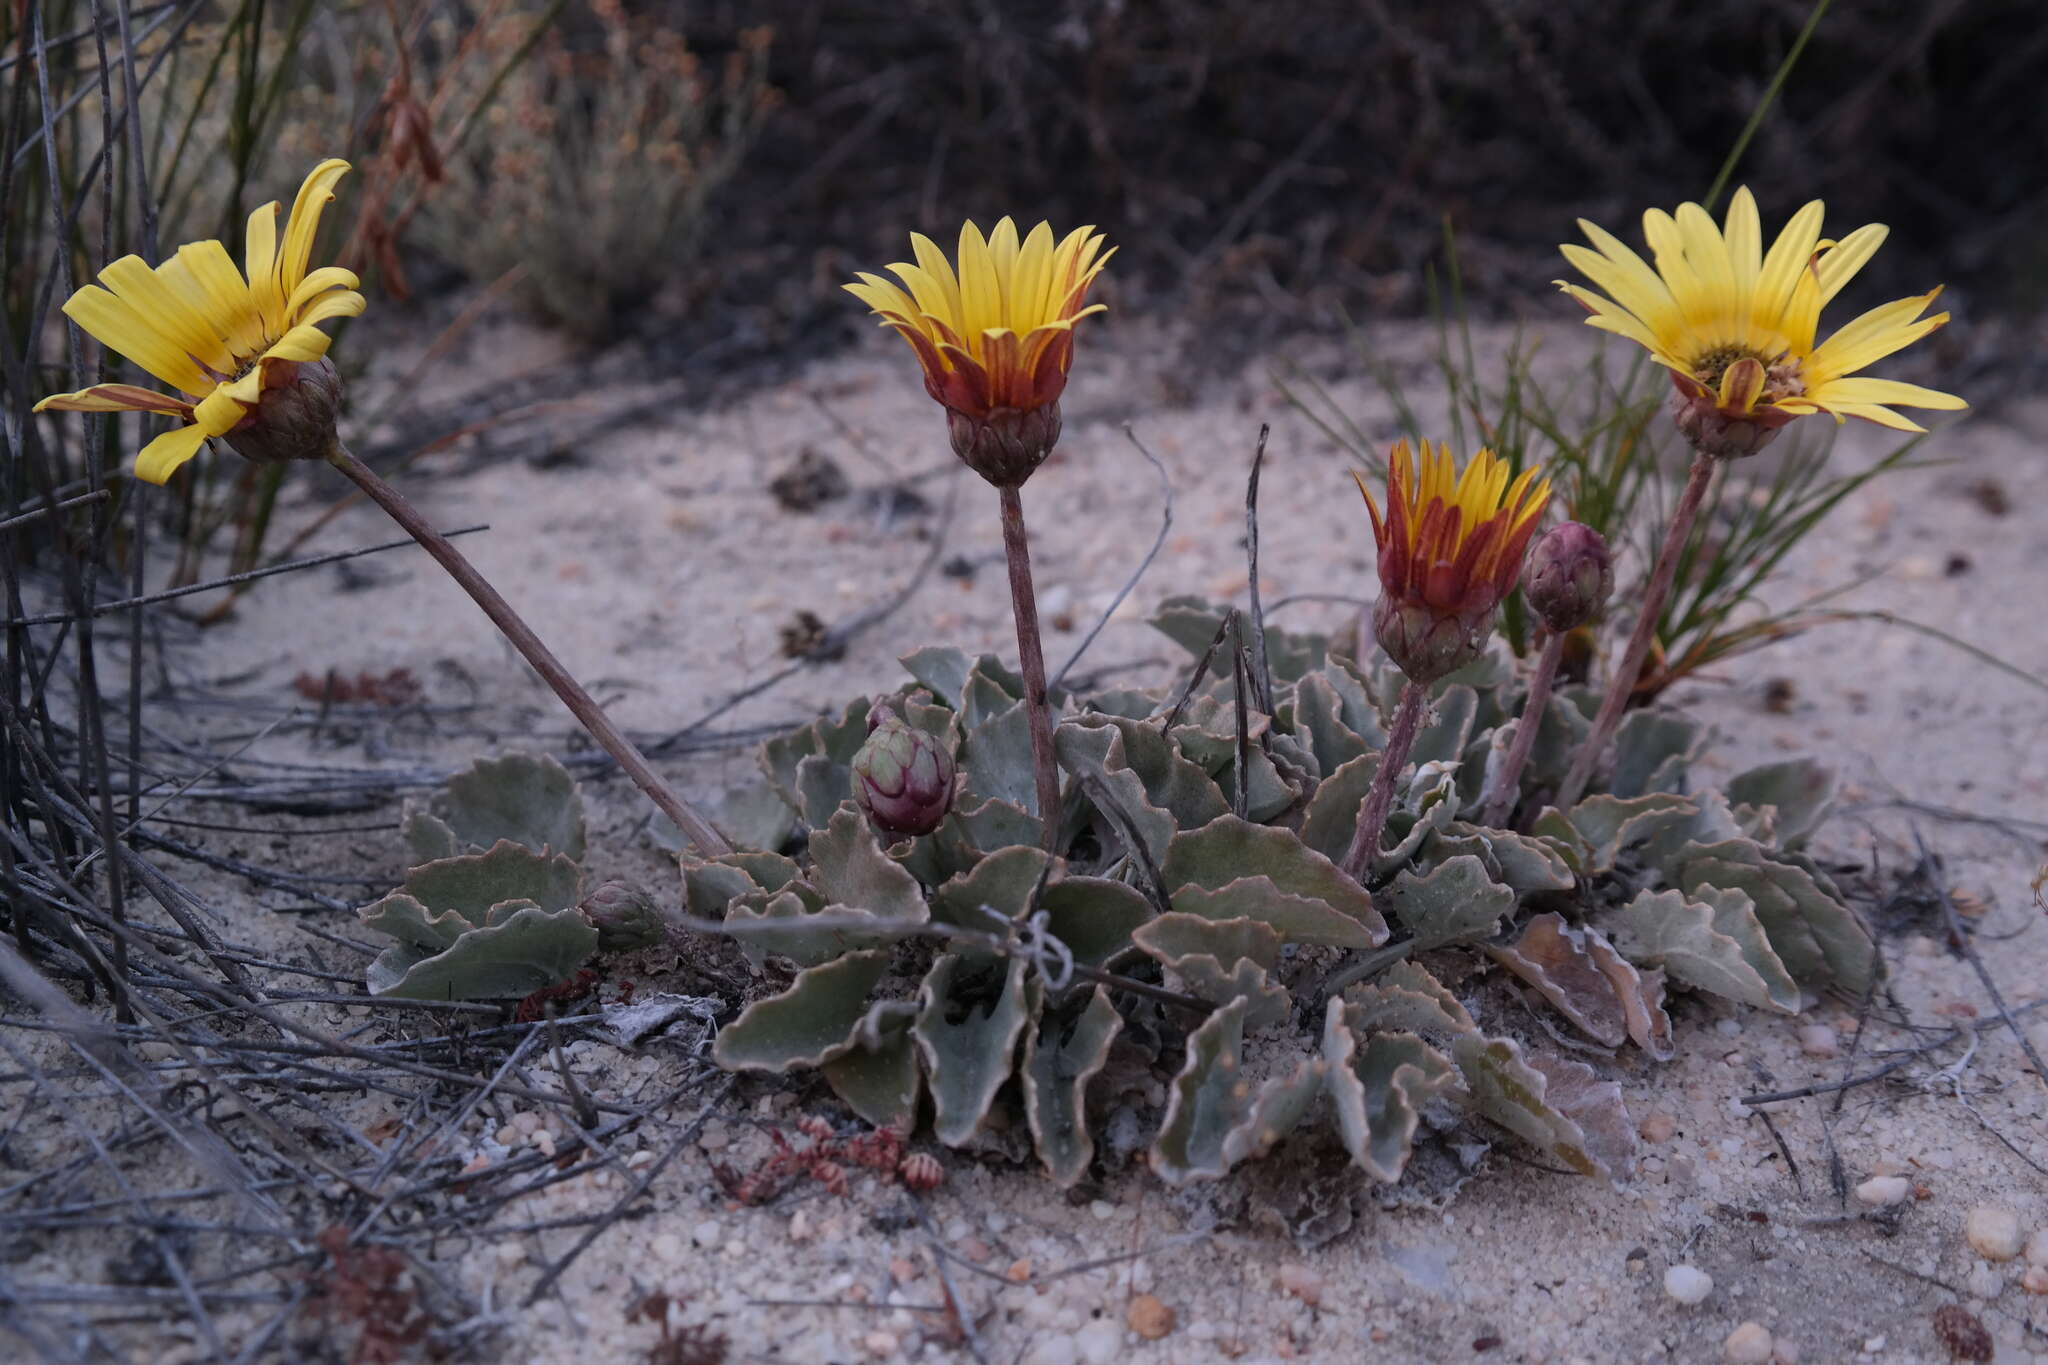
{"type": "Point", "coordinates": [118, 327]}
{"type": "Point", "coordinates": [210, 266]}
{"type": "Point", "coordinates": [1864, 389]}
{"type": "Point", "coordinates": [321, 281]}
{"type": "Point", "coordinates": [163, 455]}
{"type": "Point", "coordinates": [1785, 264]}
{"type": "Point", "coordinates": [314, 196]}
{"type": "Point", "coordinates": [302, 343]}
{"type": "Point", "coordinates": [1839, 263]}
{"type": "Point", "coordinates": [168, 314]}
{"type": "Point", "coordinates": [1744, 235]}
{"type": "Point", "coordinates": [115, 398]}
{"type": "Point", "coordinates": [1871, 337]}
{"type": "Point", "coordinates": [933, 262]}
{"type": "Point", "coordinates": [340, 303]}
{"type": "Point", "coordinates": [222, 410]}
{"type": "Point", "coordinates": [259, 263]}
{"type": "Point", "coordinates": [980, 297]}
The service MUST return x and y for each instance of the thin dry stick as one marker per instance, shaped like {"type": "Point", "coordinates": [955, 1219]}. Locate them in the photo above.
{"type": "Point", "coordinates": [1379, 801]}
{"type": "Point", "coordinates": [1623, 683]}
{"type": "Point", "coordinates": [581, 704]}
{"type": "Point", "coordinates": [1024, 603]}
{"type": "Point", "coordinates": [1500, 803]}
{"type": "Point", "coordinates": [1967, 944]}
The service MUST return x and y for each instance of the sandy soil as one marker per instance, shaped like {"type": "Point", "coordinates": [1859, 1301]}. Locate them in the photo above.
{"type": "Point", "coordinates": [658, 565]}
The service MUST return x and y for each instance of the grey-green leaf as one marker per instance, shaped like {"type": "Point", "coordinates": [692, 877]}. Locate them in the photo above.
{"type": "Point", "coordinates": [968, 1039]}
{"type": "Point", "coordinates": [523, 949]}
{"type": "Point", "coordinates": [817, 1019]}
{"type": "Point", "coordinates": [1455, 903]}
{"type": "Point", "coordinates": [1061, 1056]}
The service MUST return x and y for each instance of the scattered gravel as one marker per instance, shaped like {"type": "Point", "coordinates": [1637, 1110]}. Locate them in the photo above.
{"type": "Point", "coordinates": [2037, 1247]}
{"type": "Point", "coordinates": [1882, 1191]}
{"type": "Point", "coordinates": [1820, 1040]}
{"type": "Point", "coordinates": [1150, 1318]}
{"type": "Point", "coordinates": [1749, 1344]}
{"type": "Point", "coordinates": [1688, 1284]}
{"type": "Point", "coordinates": [1994, 1232]}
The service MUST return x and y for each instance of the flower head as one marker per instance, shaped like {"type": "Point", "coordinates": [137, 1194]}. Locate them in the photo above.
{"type": "Point", "coordinates": [1569, 576]}
{"type": "Point", "coordinates": [1450, 548]}
{"type": "Point", "coordinates": [1735, 325]}
{"type": "Point", "coordinates": [243, 348]}
{"type": "Point", "coordinates": [994, 334]}
{"type": "Point", "coordinates": [902, 776]}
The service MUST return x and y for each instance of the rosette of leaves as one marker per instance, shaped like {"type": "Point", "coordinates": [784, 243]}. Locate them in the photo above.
{"type": "Point", "coordinates": [491, 909]}
{"type": "Point", "coordinates": [1195, 917]}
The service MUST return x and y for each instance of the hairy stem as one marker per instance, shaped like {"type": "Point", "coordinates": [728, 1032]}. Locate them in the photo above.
{"type": "Point", "coordinates": [581, 704]}
{"type": "Point", "coordinates": [1379, 801]}
{"type": "Point", "coordinates": [1024, 603]}
{"type": "Point", "coordinates": [1623, 681]}
{"type": "Point", "coordinates": [1500, 802]}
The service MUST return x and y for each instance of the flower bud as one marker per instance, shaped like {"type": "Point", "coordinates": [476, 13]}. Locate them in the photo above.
{"type": "Point", "coordinates": [625, 918]}
{"type": "Point", "coordinates": [1720, 430]}
{"type": "Point", "coordinates": [902, 777]}
{"type": "Point", "coordinates": [294, 417]}
{"type": "Point", "coordinates": [1426, 643]}
{"type": "Point", "coordinates": [1569, 576]}
{"type": "Point", "coordinates": [1004, 445]}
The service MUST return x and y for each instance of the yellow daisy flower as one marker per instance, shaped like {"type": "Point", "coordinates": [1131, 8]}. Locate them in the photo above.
{"type": "Point", "coordinates": [220, 336]}
{"type": "Point", "coordinates": [999, 333]}
{"type": "Point", "coordinates": [995, 336]}
{"type": "Point", "coordinates": [1736, 326]}
{"type": "Point", "coordinates": [1451, 546]}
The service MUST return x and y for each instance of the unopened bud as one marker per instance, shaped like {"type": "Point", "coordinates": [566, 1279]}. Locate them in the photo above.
{"type": "Point", "coordinates": [1725, 435]}
{"type": "Point", "coordinates": [1004, 445]}
{"type": "Point", "coordinates": [1426, 643]}
{"type": "Point", "coordinates": [294, 418]}
{"type": "Point", "coordinates": [902, 777]}
{"type": "Point", "coordinates": [1569, 576]}
{"type": "Point", "coordinates": [625, 918]}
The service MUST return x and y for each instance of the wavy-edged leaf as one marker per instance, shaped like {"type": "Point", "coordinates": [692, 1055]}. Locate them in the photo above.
{"type": "Point", "coordinates": [1229, 852]}
{"type": "Point", "coordinates": [1595, 1107]}
{"type": "Point", "coordinates": [1712, 942]}
{"type": "Point", "coordinates": [1456, 902]}
{"type": "Point", "coordinates": [1319, 716]}
{"type": "Point", "coordinates": [817, 1019]}
{"type": "Point", "coordinates": [1207, 1100]}
{"type": "Point", "coordinates": [1380, 1090]}
{"type": "Point", "coordinates": [1520, 861]}
{"type": "Point", "coordinates": [1332, 815]}
{"type": "Point", "coordinates": [1169, 938]}
{"type": "Point", "coordinates": [1297, 919]}
{"type": "Point", "coordinates": [1508, 1090]}
{"type": "Point", "coordinates": [833, 739]}
{"type": "Point", "coordinates": [1553, 957]}
{"type": "Point", "coordinates": [1406, 998]}
{"type": "Point", "coordinates": [849, 868]}
{"type": "Point", "coordinates": [878, 1077]}
{"type": "Point", "coordinates": [523, 949]}
{"type": "Point", "coordinates": [1281, 1103]}
{"type": "Point", "coordinates": [1818, 938]}
{"type": "Point", "coordinates": [1097, 751]}
{"type": "Point", "coordinates": [1061, 1056]}
{"type": "Point", "coordinates": [790, 924]}
{"type": "Point", "coordinates": [971, 1014]}
{"type": "Point", "coordinates": [529, 799]}
{"type": "Point", "coordinates": [945, 670]}
{"type": "Point", "coordinates": [1448, 726]}
{"type": "Point", "coordinates": [1801, 791]}
{"type": "Point", "coordinates": [996, 758]}
{"type": "Point", "coordinates": [1654, 751]}
{"type": "Point", "coordinates": [999, 885]}
{"type": "Point", "coordinates": [1610, 825]}
{"type": "Point", "coordinates": [469, 884]}
{"type": "Point", "coordinates": [1094, 917]}
{"type": "Point", "coordinates": [710, 887]}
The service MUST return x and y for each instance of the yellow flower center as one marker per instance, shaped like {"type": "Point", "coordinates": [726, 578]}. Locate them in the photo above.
{"type": "Point", "coordinates": [1783, 377]}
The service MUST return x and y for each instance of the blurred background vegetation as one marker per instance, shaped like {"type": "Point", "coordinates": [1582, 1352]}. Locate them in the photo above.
{"type": "Point", "coordinates": [681, 187]}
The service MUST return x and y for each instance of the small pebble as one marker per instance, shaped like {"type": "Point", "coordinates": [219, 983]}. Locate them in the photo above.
{"type": "Point", "coordinates": [1872, 1345]}
{"type": "Point", "coordinates": [1149, 1317]}
{"type": "Point", "coordinates": [1728, 1028]}
{"type": "Point", "coordinates": [1688, 1284]}
{"type": "Point", "coordinates": [1882, 1191]}
{"type": "Point", "coordinates": [2035, 1281]}
{"type": "Point", "coordinates": [1302, 1282]}
{"type": "Point", "coordinates": [1102, 1209]}
{"type": "Point", "coordinates": [1051, 1350]}
{"type": "Point", "coordinates": [1994, 1233]}
{"type": "Point", "coordinates": [1019, 1271]}
{"type": "Point", "coordinates": [2037, 1247]}
{"type": "Point", "coordinates": [1749, 1344]}
{"type": "Point", "coordinates": [1784, 1352]}
{"type": "Point", "coordinates": [881, 1345]}
{"type": "Point", "coordinates": [1820, 1040]}
{"type": "Point", "coordinates": [1099, 1343]}
{"type": "Point", "coordinates": [1659, 1128]}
